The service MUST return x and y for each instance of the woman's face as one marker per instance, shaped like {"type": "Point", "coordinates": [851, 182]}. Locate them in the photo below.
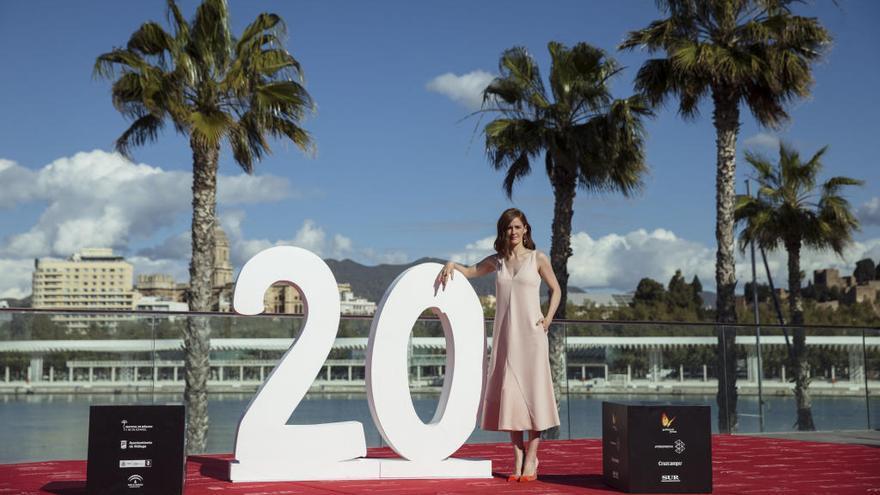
{"type": "Point", "coordinates": [515, 231]}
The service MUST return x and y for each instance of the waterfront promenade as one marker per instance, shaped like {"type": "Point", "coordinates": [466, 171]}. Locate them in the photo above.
{"type": "Point", "coordinates": [741, 465]}
{"type": "Point", "coordinates": [587, 374]}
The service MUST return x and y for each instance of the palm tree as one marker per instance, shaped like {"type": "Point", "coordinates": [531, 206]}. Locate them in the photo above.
{"type": "Point", "coordinates": [212, 87]}
{"type": "Point", "coordinates": [735, 51]}
{"type": "Point", "coordinates": [792, 212]}
{"type": "Point", "coordinates": [588, 139]}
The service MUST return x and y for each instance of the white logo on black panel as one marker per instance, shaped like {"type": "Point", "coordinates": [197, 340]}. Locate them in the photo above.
{"type": "Point", "coordinates": [128, 427]}
{"type": "Point", "coordinates": [135, 481]}
{"type": "Point", "coordinates": [679, 446]}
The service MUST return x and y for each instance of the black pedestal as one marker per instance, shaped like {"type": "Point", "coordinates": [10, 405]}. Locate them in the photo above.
{"type": "Point", "coordinates": [653, 447]}
{"type": "Point", "coordinates": [136, 449]}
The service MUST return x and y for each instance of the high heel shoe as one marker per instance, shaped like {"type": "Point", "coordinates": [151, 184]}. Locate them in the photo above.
{"type": "Point", "coordinates": [513, 477]}
{"type": "Point", "coordinates": [530, 477]}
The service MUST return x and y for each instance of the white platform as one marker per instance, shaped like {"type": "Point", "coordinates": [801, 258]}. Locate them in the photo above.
{"type": "Point", "coordinates": [362, 469]}
{"type": "Point", "coordinates": [449, 469]}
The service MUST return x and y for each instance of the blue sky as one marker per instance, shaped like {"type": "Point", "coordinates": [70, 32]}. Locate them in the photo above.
{"type": "Point", "coordinates": [398, 174]}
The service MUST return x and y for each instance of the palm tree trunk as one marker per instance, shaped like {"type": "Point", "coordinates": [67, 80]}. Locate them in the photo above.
{"type": "Point", "coordinates": [564, 190]}
{"type": "Point", "coordinates": [726, 119]}
{"type": "Point", "coordinates": [801, 367]}
{"type": "Point", "coordinates": [196, 336]}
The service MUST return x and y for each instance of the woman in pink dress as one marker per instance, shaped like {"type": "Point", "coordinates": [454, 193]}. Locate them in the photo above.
{"type": "Point", "coordinates": [519, 387]}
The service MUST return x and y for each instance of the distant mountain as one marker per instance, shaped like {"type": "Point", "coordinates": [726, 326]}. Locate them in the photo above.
{"type": "Point", "coordinates": [371, 282]}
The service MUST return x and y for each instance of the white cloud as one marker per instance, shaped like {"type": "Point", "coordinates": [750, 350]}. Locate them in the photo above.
{"type": "Point", "coordinates": [309, 236]}
{"type": "Point", "coordinates": [869, 212]}
{"type": "Point", "coordinates": [244, 189]}
{"type": "Point", "coordinates": [15, 184]}
{"type": "Point", "coordinates": [177, 246]}
{"type": "Point", "coordinates": [100, 199]}
{"type": "Point", "coordinates": [762, 142]}
{"type": "Point", "coordinates": [466, 89]}
{"type": "Point", "coordinates": [15, 277]}
{"type": "Point", "coordinates": [475, 251]}
{"type": "Point", "coordinates": [386, 258]}
{"type": "Point", "coordinates": [620, 261]}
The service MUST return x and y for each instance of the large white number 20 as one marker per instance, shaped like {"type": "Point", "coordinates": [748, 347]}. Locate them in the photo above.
{"type": "Point", "coordinates": [267, 448]}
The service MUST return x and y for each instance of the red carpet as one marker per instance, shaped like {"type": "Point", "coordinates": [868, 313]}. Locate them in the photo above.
{"type": "Point", "coordinates": [741, 464]}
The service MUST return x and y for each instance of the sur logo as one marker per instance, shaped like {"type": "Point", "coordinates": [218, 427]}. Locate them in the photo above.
{"type": "Point", "coordinates": [666, 421]}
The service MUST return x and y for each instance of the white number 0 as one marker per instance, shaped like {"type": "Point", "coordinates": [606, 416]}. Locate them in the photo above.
{"type": "Point", "coordinates": [268, 449]}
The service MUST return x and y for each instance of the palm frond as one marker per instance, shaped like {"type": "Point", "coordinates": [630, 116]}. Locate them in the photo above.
{"type": "Point", "coordinates": [209, 127]}
{"type": "Point", "coordinates": [150, 39]}
{"type": "Point", "coordinates": [286, 128]}
{"type": "Point", "coordinates": [519, 168]}
{"type": "Point", "coordinates": [107, 63]}
{"type": "Point", "coordinates": [508, 139]}
{"type": "Point", "coordinates": [579, 76]}
{"type": "Point", "coordinates": [211, 37]}
{"type": "Point", "coordinates": [766, 173]}
{"type": "Point", "coordinates": [181, 27]}
{"type": "Point", "coordinates": [264, 22]}
{"type": "Point", "coordinates": [283, 97]}
{"type": "Point", "coordinates": [520, 69]}
{"type": "Point", "coordinates": [143, 130]}
{"type": "Point", "coordinates": [832, 186]}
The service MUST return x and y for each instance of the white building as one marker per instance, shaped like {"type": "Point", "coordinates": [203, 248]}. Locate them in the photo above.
{"type": "Point", "coordinates": [158, 304]}
{"type": "Point", "coordinates": [92, 279]}
{"type": "Point", "coordinates": [351, 305]}
{"type": "Point", "coordinates": [150, 303]}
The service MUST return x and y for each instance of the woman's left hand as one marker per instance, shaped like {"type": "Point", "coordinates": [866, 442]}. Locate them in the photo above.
{"type": "Point", "coordinates": [545, 322]}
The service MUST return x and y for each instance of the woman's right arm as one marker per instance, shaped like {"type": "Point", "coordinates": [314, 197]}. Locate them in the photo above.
{"type": "Point", "coordinates": [486, 266]}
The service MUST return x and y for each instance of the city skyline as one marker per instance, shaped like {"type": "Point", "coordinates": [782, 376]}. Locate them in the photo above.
{"type": "Point", "coordinates": [398, 174]}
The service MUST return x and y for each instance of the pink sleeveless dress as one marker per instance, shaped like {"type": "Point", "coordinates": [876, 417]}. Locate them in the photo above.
{"type": "Point", "coordinates": [519, 388]}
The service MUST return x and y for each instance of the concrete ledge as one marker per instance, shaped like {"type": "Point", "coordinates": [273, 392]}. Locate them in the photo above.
{"type": "Point", "coordinates": [854, 437]}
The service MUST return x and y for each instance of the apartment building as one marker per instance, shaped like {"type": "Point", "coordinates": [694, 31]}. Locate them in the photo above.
{"type": "Point", "coordinates": [91, 279]}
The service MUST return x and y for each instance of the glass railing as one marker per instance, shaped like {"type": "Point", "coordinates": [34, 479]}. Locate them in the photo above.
{"type": "Point", "coordinates": [54, 365]}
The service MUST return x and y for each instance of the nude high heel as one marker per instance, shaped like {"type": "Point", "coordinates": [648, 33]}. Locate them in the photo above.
{"type": "Point", "coordinates": [530, 477]}
{"type": "Point", "coordinates": [514, 477]}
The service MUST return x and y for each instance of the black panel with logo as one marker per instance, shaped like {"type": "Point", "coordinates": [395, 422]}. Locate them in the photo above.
{"type": "Point", "coordinates": [651, 447]}
{"type": "Point", "coordinates": [136, 450]}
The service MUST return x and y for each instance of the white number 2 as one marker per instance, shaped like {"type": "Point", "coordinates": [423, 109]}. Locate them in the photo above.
{"type": "Point", "coordinates": [268, 449]}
